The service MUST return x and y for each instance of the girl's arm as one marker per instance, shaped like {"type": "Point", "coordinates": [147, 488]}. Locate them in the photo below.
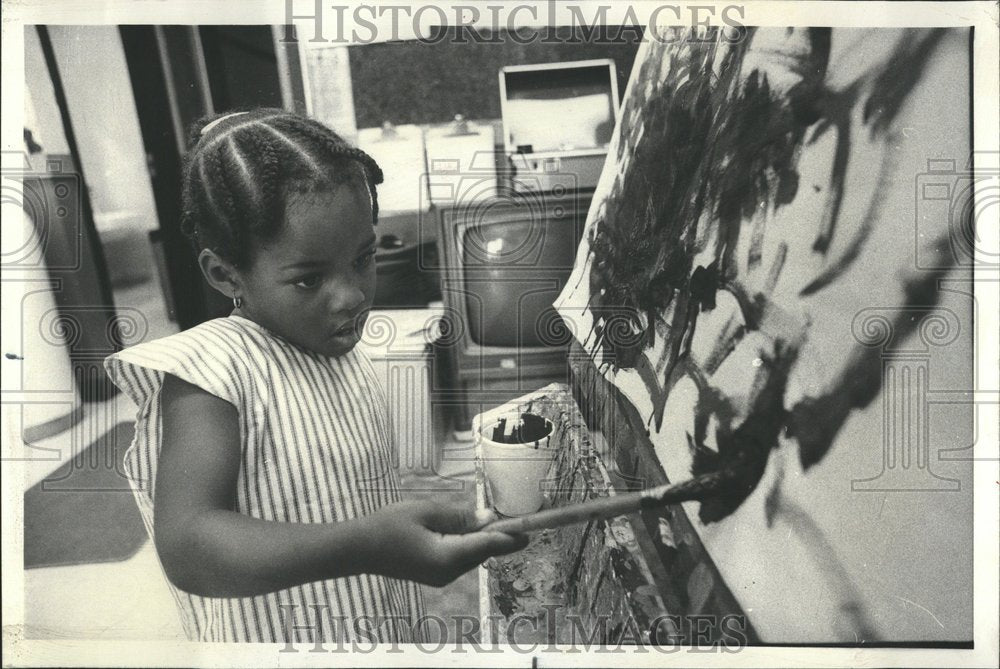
{"type": "Point", "coordinates": [209, 549]}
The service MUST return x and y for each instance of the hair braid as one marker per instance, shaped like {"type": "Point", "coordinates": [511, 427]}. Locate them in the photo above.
{"type": "Point", "coordinates": [373, 174]}
{"type": "Point", "coordinates": [267, 163]}
{"type": "Point", "coordinates": [227, 209]}
{"type": "Point", "coordinates": [242, 166]}
{"type": "Point", "coordinates": [336, 149]}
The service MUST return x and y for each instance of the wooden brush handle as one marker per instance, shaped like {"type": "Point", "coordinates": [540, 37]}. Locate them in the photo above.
{"type": "Point", "coordinates": [603, 508]}
{"type": "Point", "coordinates": [594, 509]}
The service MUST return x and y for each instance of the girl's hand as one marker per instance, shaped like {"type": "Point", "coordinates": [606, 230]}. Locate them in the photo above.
{"type": "Point", "coordinates": [207, 548]}
{"type": "Point", "coordinates": [434, 544]}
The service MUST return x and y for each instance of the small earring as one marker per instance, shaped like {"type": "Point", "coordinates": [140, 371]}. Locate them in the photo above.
{"type": "Point", "coordinates": [237, 301]}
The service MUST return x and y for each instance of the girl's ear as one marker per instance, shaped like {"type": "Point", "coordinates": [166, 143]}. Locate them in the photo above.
{"type": "Point", "coordinates": [219, 273]}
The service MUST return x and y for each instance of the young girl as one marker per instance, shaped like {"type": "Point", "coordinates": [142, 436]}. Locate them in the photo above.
{"type": "Point", "coordinates": [261, 462]}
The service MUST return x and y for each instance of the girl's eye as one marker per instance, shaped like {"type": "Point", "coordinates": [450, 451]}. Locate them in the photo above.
{"type": "Point", "coordinates": [310, 281]}
{"type": "Point", "coordinates": [366, 260]}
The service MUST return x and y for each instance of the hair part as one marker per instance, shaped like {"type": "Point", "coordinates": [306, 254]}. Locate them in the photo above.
{"type": "Point", "coordinates": [242, 168]}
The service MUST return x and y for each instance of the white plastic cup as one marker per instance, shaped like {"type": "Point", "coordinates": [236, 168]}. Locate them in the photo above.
{"type": "Point", "coordinates": [516, 471]}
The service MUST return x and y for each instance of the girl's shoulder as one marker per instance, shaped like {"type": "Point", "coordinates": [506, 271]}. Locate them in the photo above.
{"type": "Point", "coordinates": [226, 338]}
{"type": "Point", "coordinates": [220, 356]}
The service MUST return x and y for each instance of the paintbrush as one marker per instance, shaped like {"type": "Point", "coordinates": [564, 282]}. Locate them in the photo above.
{"type": "Point", "coordinates": [603, 508]}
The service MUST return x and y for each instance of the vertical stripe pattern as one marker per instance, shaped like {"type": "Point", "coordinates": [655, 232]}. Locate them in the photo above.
{"type": "Point", "coordinates": [316, 449]}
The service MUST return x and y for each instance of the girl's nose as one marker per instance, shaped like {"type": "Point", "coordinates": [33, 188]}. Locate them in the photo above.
{"type": "Point", "coordinates": [346, 298]}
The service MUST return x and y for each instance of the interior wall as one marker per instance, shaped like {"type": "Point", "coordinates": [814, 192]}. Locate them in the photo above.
{"type": "Point", "coordinates": [412, 82]}
{"type": "Point", "coordinates": [41, 114]}
{"type": "Point", "coordinates": [241, 66]}
{"type": "Point", "coordinates": [44, 366]}
{"type": "Point", "coordinates": [102, 111]}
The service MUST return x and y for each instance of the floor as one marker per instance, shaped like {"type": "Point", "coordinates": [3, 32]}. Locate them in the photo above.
{"type": "Point", "coordinates": [99, 601]}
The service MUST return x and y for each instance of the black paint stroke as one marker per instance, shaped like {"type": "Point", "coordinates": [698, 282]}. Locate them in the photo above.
{"type": "Point", "coordinates": [900, 75]}
{"type": "Point", "coordinates": [719, 148]}
{"type": "Point", "coordinates": [815, 421]}
{"type": "Point", "coordinates": [825, 555]}
{"type": "Point", "coordinates": [743, 446]}
{"type": "Point", "coordinates": [837, 268]}
{"type": "Point", "coordinates": [716, 147]}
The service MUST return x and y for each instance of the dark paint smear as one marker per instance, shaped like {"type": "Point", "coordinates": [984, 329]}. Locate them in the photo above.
{"type": "Point", "coordinates": [715, 149]}
{"type": "Point", "coordinates": [825, 554]}
{"type": "Point", "coordinates": [815, 421]}
{"type": "Point", "coordinates": [893, 85]}
{"type": "Point", "coordinates": [743, 451]}
{"type": "Point", "coordinates": [865, 228]}
{"type": "Point", "coordinates": [713, 146]}
{"type": "Point", "coordinates": [838, 118]}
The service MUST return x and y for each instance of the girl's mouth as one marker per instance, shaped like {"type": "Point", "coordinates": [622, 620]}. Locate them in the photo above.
{"type": "Point", "coordinates": [351, 328]}
{"type": "Point", "coordinates": [345, 330]}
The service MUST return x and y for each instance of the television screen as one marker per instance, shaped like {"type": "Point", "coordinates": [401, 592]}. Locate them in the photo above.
{"type": "Point", "coordinates": [513, 271]}
{"type": "Point", "coordinates": [565, 109]}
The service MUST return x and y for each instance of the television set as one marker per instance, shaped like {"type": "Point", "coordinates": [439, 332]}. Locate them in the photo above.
{"type": "Point", "coordinates": [505, 308]}
{"type": "Point", "coordinates": [506, 260]}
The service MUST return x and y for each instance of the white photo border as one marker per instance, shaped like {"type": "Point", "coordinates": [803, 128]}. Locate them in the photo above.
{"type": "Point", "coordinates": [982, 16]}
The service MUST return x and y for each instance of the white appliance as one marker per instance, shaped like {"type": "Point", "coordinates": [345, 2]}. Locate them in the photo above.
{"type": "Point", "coordinates": [558, 120]}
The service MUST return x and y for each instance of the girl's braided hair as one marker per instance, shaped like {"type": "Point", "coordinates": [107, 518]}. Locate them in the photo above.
{"type": "Point", "coordinates": [242, 167]}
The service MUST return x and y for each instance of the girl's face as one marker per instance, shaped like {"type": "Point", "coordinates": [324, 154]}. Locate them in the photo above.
{"type": "Point", "coordinates": [314, 283]}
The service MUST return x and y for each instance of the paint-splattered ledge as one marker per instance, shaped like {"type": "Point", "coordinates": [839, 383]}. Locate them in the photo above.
{"type": "Point", "coordinates": [588, 579]}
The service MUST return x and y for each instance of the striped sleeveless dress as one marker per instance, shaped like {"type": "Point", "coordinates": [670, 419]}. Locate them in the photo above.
{"type": "Point", "coordinates": [317, 448]}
